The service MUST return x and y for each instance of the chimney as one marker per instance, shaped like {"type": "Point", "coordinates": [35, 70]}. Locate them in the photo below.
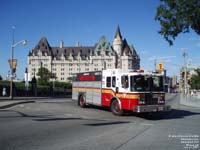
{"type": "Point", "coordinates": [61, 44]}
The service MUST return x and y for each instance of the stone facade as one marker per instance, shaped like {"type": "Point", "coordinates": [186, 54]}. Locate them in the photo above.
{"type": "Point", "coordinates": [64, 61]}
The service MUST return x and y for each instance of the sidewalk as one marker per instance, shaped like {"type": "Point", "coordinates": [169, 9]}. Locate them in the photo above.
{"type": "Point", "coordinates": [2, 98]}
{"type": "Point", "coordinates": [6, 102]}
{"type": "Point", "coordinates": [193, 101]}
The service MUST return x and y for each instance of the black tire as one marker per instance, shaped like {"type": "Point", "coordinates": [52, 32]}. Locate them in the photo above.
{"type": "Point", "coordinates": [82, 101]}
{"type": "Point", "coordinates": [115, 108]}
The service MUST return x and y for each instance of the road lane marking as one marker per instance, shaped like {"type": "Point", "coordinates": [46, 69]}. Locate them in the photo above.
{"type": "Point", "coordinates": [147, 124]}
{"type": "Point", "coordinates": [68, 115]}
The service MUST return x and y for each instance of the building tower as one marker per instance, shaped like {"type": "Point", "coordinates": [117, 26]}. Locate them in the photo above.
{"type": "Point", "coordinates": [117, 46]}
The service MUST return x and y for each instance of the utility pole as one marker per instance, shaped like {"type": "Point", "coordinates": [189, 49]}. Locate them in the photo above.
{"type": "Point", "coordinates": [12, 55]}
{"type": "Point", "coordinates": [23, 42]}
{"type": "Point", "coordinates": [185, 72]}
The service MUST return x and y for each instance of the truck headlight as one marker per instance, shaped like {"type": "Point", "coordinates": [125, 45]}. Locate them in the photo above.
{"type": "Point", "coordinates": [161, 99]}
{"type": "Point", "coordinates": [142, 99]}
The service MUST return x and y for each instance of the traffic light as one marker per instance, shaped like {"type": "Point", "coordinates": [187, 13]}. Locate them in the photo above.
{"type": "Point", "coordinates": [160, 66]}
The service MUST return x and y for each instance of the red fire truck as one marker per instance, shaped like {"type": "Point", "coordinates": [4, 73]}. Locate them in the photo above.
{"type": "Point", "coordinates": [134, 90]}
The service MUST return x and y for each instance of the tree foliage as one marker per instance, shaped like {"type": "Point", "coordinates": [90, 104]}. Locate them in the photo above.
{"type": "Point", "coordinates": [44, 76]}
{"type": "Point", "coordinates": [178, 16]}
{"type": "Point", "coordinates": [195, 80]}
{"type": "Point", "coordinates": [69, 79]}
{"type": "Point", "coordinates": [63, 84]}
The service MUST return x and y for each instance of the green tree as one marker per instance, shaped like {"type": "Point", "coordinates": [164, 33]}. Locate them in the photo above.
{"type": "Point", "coordinates": [178, 16]}
{"type": "Point", "coordinates": [1, 78]}
{"type": "Point", "coordinates": [195, 80]}
{"type": "Point", "coordinates": [44, 76]}
{"type": "Point", "coordinates": [69, 79]}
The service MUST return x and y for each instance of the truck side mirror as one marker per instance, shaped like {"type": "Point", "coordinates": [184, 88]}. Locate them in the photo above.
{"type": "Point", "coordinates": [117, 89]}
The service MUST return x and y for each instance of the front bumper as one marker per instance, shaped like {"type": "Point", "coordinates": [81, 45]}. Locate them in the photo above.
{"type": "Point", "coordinates": [151, 108]}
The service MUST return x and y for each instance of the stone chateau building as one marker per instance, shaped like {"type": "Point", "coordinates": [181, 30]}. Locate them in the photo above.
{"type": "Point", "coordinates": [64, 61]}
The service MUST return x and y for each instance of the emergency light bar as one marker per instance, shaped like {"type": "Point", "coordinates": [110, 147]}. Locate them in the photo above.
{"type": "Point", "coordinates": [139, 71]}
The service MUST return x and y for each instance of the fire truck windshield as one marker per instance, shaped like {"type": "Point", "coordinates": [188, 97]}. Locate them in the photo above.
{"type": "Point", "coordinates": [146, 83]}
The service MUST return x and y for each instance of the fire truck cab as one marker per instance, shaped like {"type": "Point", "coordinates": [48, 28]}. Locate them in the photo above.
{"type": "Point", "coordinates": [133, 90]}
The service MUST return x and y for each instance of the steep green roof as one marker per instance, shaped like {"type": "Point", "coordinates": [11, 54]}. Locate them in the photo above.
{"type": "Point", "coordinates": [103, 45]}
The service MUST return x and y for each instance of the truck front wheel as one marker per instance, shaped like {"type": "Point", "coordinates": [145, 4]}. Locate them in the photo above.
{"type": "Point", "coordinates": [115, 108]}
{"type": "Point", "coordinates": [82, 101]}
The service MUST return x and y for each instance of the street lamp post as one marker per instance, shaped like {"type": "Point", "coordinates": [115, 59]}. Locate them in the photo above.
{"type": "Point", "coordinates": [24, 42]}
{"type": "Point", "coordinates": [185, 73]}
{"type": "Point", "coordinates": [185, 54]}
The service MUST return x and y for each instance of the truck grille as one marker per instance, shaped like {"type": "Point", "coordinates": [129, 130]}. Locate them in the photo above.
{"type": "Point", "coordinates": [150, 100]}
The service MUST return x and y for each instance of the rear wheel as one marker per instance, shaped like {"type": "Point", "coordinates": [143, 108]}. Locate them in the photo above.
{"type": "Point", "coordinates": [115, 108]}
{"type": "Point", "coordinates": [82, 101]}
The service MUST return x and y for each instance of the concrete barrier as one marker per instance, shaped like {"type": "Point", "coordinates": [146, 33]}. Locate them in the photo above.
{"type": "Point", "coordinates": [188, 100]}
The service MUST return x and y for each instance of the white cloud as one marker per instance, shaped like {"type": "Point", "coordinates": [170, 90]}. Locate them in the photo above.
{"type": "Point", "coordinates": [144, 52]}
{"type": "Point", "coordinates": [193, 39]}
{"type": "Point", "coordinates": [198, 44]}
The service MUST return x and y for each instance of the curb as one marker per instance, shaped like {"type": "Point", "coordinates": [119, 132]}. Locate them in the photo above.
{"type": "Point", "coordinates": [32, 98]}
{"type": "Point", "coordinates": [189, 104]}
{"type": "Point", "coordinates": [15, 103]}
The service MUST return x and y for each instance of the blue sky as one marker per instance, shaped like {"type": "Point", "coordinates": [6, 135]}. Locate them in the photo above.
{"type": "Point", "coordinates": [86, 21]}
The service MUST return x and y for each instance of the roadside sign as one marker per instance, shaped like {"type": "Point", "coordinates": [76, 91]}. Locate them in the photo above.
{"type": "Point", "coordinates": [13, 64]}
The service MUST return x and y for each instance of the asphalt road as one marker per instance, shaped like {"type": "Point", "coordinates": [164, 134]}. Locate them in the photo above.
{"type": "Point", "coordinates": [59, 124]}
